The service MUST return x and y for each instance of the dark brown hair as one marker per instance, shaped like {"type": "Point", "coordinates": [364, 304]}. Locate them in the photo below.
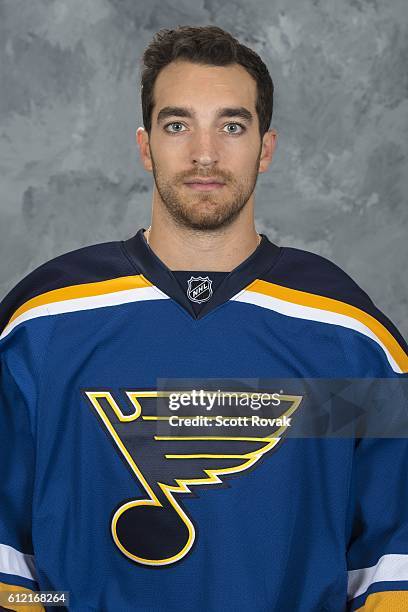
{"type": "Point", "coordinates": [209, 45]}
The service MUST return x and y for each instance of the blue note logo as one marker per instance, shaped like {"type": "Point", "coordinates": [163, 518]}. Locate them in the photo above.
{"type": "Point", "coordinates": [199, 289]}
{"type": "Point", "coordinates": [151, 525]}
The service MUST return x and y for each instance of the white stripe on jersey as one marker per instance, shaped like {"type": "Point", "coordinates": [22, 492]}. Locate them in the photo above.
{"type": "Point", "coordinates": [86, 303]}
{"type": "Point", "coordinates": [389, 568]}
{"type": "Point", "coordinates": [313, 314]}
{"type": "Point", "coordinates": [12, 561]}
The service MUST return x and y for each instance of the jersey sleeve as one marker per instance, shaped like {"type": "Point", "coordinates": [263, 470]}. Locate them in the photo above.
{"type": "Point", "coordinates": [377, 550]}
{"type": "Point", "coordinates": [377, 556]}
{"type": "Point", "coordinates": [17, 470]}
{"type": "Point", "coordinates": [23, 349]}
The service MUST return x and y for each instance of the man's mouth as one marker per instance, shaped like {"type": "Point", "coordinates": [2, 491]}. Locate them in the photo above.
{"type": "Point", "coordinates": [204, 184]}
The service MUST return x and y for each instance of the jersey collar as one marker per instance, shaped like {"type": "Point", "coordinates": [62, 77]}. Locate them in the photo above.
{"type": "Point", "coordinates": [152, 268]}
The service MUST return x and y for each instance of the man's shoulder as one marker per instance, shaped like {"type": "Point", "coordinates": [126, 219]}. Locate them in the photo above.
{"type": "Point", "coordinates": [310, 272]}
{"type": "Point", "coordinates": [88, 264]}
{"type": "Point", "coordinates": [307, 285]}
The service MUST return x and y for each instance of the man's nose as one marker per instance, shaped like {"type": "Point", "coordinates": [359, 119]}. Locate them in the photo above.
{"type": "Point", "coordinates": [204, 150]}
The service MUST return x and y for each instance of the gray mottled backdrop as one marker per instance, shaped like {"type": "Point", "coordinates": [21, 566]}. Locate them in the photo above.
{"type": "Point", "coordinates": [69, 108]}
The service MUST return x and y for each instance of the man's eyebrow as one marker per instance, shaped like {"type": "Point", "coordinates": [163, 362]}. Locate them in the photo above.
{"type": "Point", "coordinates": [182, 111]}
{"type": "Point", "coordinates": [174, 111]}
{"type": "Point", "coordinates": [239, 111]}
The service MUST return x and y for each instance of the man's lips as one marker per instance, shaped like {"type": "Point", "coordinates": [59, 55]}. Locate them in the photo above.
{"type": "Point", "coordinates": [204, 185]}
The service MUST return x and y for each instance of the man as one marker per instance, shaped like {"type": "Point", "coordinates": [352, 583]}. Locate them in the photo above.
{"type": "Point", "coordinates": [121, 501]}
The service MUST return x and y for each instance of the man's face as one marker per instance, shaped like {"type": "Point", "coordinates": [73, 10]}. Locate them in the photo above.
{"type": "Point", "coordinates": [204, 126]}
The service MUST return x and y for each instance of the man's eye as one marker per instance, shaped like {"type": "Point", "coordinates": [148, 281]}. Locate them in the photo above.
{"type": "Point", "coordinates": [174, 123]}
{"type": "Point", "coordinates": [235, 131]}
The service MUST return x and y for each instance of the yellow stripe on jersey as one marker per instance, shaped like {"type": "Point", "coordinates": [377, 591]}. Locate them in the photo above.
{"type": "Point", "coordinates": [17, 590]}
{"type": "Point", "coordinates": [385, 601]}
{"type": "Point", "coordinates": [73, 292]}
{"type": "Point", "coordinates": [303, 298]}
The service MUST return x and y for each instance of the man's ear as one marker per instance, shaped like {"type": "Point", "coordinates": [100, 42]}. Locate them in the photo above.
{"type": "Point", "coordinates": [268, 147]}
{"type": "Point", "coordinates": [142, 139]}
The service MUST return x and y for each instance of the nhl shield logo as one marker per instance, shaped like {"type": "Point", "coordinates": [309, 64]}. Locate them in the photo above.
{"type": "Point", "coordinates": [199, 289]}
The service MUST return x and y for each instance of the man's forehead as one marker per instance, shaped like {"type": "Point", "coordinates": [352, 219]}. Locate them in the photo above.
{"type": "Point", "coordinates": [182, 83]}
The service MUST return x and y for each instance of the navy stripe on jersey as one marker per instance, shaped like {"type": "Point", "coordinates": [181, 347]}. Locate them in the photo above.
{"type": "Point", "coordinates": [306, 271]}
{"type": "Point", "coordinates": [88, 264]}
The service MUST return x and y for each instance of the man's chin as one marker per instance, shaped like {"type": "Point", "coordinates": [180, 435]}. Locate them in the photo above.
{"type": "Point", "coordinates": [202, 211]}
{"type": "Point", "coordinates": [213, 220]}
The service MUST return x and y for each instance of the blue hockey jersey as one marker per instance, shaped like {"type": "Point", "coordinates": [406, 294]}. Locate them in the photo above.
{"type": "Point", "coordinates": [93, 503]}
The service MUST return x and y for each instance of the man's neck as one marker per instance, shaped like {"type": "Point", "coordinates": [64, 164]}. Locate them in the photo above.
{"type": "Point", "coordinates": [186, 249]}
